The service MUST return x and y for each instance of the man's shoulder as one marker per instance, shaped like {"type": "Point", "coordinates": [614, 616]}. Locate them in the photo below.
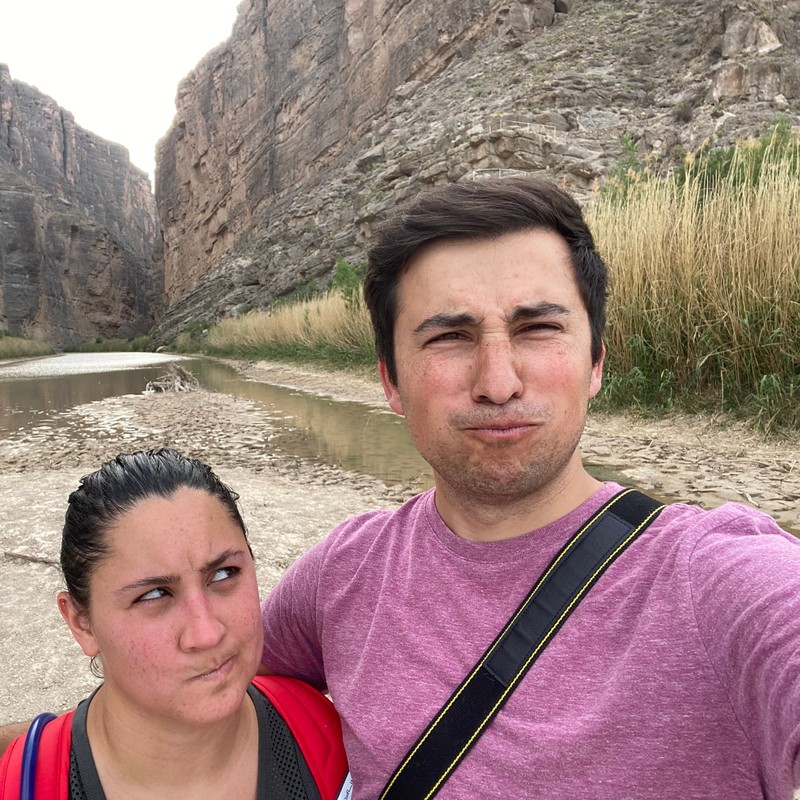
{"type": "Point", "coordinates": [732, 519]}
{"type": "Point", "coordinates": [372, 523]}
{"type": "Point", "coordinates": [724, 534]}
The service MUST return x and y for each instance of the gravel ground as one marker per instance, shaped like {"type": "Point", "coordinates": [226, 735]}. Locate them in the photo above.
{"type": "Point", "coordinates": [289, 504]}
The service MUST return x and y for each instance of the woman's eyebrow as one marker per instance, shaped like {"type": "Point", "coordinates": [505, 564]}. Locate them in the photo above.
{"type": "Point", "coordinates": [217, 562]}
{"type": "Point", "coordinates": [151, 582]}
{"type": "Point", "coordinates": [167, 580]}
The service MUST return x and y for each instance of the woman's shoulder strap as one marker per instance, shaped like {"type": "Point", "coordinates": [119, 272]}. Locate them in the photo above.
{"type": "Point", "coordinates": [51, 767]}
{"type": "Point", "coordinates": [315, 725]}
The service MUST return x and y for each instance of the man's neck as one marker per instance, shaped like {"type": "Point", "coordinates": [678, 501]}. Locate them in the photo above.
{"type": "Point", "coordinates": [496, 517]}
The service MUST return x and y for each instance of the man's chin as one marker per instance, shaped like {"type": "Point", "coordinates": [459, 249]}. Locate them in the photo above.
{"type": "Point", "coordinates": [495, 486]}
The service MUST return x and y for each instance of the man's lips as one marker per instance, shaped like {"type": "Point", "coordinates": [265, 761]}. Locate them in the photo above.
{"type": "Point", "coordinates": [515, 417]}
{"type": "Point", "coordinates": [500, 431]}
{"type": "Point", "coordinates": [500, 426]}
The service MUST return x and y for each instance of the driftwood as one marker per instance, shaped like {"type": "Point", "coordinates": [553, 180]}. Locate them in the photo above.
{"type": "Point", "coordinates": [33, 559]}
{"type": "Point", "coordinates": [176, 380]}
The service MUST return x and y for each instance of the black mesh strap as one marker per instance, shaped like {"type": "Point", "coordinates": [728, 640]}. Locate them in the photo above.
{"type": "Point", "coordinates": [483, 692]}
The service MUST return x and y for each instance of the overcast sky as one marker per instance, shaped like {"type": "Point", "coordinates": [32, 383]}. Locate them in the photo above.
{"type": "Point", "coordinates": [114, 64]}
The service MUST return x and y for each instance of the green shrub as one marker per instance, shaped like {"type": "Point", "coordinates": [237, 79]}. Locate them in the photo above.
{"type": "Point", "coordinates": [19, 347]}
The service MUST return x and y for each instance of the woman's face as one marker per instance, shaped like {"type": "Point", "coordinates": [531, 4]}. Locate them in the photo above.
{"type": "Point", "coordinates": [174, 610]}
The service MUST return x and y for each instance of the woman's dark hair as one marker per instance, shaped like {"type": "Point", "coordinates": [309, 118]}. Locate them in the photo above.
{"type": "Point", "coordinates": [109, 492]}
{"type": "Point", "coordinates": [481, 209]}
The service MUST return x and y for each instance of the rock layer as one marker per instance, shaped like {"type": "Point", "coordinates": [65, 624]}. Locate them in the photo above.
{"type": "Point", "coordinates": [78, 227]}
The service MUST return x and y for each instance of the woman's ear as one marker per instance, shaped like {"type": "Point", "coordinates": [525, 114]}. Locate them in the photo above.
{"type": "Point", "coordinates": [78, 621]}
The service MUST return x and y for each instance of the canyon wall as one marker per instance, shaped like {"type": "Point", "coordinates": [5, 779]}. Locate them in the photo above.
{"type": "Point", "coordinates": [79, 235]}
{"type": "Point", "coordinates": [317, 116]}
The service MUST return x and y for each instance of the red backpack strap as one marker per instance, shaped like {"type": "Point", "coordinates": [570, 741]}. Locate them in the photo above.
{"type": "Point", "coordinates": [52, 763]}
{"type": "Point", "coordinates": [315, 725]}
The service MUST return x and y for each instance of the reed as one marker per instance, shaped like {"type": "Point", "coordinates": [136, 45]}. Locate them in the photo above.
{"type": "Point", "coordinates": [706, 287]}
{"type": "Point", "coordinates": [18, 347]}
{"type": "Point", "coordinates": [117, 345]}
{"type": "Point", "coordinates": [333, 329]}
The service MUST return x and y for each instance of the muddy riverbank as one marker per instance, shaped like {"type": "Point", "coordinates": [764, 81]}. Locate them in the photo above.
{"type": "Point", "coordinates": [289, 503]}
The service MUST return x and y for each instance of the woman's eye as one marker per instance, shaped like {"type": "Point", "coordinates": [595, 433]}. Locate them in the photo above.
{"type": "Point", "coordinates": [153, 594]}
{"type": "Point", "coordinates": [223, 573]}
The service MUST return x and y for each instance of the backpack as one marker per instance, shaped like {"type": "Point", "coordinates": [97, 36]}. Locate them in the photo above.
{"type": "Point", "coordinates": [309, 715]}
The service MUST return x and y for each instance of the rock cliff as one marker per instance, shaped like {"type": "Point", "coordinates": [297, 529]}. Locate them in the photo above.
{"type": "Point", "coordinates": [78, 227]}
{"type": "Point", "coordinates": [293, 137]}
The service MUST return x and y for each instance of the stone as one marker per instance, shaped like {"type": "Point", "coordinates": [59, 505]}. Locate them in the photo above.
{"type": "Point", "coordinates": [407, 90]}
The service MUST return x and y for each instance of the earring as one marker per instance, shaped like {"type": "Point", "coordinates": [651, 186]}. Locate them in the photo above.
{"type": "Point", "coordinates": [96, 666]}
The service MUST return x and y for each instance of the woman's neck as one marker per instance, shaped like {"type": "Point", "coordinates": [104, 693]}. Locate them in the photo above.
{"type": "Point", "coordinates": [138, 755]}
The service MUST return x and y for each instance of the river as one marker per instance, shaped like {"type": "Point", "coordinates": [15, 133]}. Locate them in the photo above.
{"type": "Point", "coordinates": [349, 435]}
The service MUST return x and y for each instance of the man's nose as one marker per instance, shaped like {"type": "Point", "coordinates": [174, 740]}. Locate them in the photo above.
{"type": "Point", "coordinates": [496, 372]}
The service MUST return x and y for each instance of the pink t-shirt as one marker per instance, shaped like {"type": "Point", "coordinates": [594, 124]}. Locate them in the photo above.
{"type": "Point", "coordinates": [678, 676]}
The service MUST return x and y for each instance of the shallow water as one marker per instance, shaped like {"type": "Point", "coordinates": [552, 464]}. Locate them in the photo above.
{"type": "Point", "coordinates": [349, 435]}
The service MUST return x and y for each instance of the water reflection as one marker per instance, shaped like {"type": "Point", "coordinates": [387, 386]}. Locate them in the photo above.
{"type": "Point", "coordinates": [23, 400]}
{"type": "Point", "coordinates": [350, 435]}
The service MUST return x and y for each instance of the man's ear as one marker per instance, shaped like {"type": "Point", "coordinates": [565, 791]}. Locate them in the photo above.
{"type": "Point", "coordinates": [78, 622]}
{"type": "Point", "coordinates": [596, 380]}
{"type": "Point", "coordinates": [390, 390]}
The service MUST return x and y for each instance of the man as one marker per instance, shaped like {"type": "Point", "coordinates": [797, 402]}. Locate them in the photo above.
{"type": "Point", "coordinates": [678, 675]}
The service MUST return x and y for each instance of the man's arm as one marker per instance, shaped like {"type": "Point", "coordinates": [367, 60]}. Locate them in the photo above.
{"type": "Point", "coordinates": [10, 732]}
{"type": "Point", "coordinates": [288, 615]}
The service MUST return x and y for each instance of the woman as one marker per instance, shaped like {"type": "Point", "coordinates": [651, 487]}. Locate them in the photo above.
{"type": "Point", "coordinates": [162, 593]}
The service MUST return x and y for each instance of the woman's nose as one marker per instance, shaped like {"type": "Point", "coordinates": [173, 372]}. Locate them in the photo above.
{"type": "Point", "coordinates": [202, 627]}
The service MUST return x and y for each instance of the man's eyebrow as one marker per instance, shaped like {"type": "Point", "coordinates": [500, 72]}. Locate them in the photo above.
{"type": "Point", "coordinates": [154, 581]}
{"type": "Point", "coordinates": [445, 320]}
{"type": "Point", "coordinates": [537, 310]}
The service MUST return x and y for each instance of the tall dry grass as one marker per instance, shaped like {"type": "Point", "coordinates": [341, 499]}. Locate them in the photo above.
{"type": "Point", "coordinates": [332, 328]}
{"type": "Point", "coordinates": [705, 308]}
{"type": "Point", "coordinates": [706, 290]}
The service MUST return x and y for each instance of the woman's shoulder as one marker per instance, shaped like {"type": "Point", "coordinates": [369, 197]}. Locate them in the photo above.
{"type": "Point", "coordinates": [47, 746]}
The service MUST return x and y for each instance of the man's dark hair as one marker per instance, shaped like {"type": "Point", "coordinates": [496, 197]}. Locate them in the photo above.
{"type": "Point", "coordinates": [115, 488]}
{"type": "Point", "coordinates": [481, 209]}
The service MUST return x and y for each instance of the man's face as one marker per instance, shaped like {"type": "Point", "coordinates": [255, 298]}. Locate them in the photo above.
{"type": "Point", "coordinates": [492, 345]}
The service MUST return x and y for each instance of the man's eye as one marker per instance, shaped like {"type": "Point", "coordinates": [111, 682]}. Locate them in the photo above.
{"type": "Point", "coordinates": [153, 594]}
{"type": "Point", "coordinates": [536, 327]}
{"type": "Point", "coordinates": [448, 336]}
{"type": "Point", "coordinates": [223, 573]}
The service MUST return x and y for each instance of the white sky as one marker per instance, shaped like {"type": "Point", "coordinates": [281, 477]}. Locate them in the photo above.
{"type": "Point", "coordinates": [114, 64]}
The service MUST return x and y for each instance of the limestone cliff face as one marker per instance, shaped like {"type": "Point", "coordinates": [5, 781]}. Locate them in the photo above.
{"type": "Point", "coordinates": [317, 116]}
{"type": "Point", "coordinates": [78, 227]}
{"type": "Point", "coordinates": [296, 87]}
